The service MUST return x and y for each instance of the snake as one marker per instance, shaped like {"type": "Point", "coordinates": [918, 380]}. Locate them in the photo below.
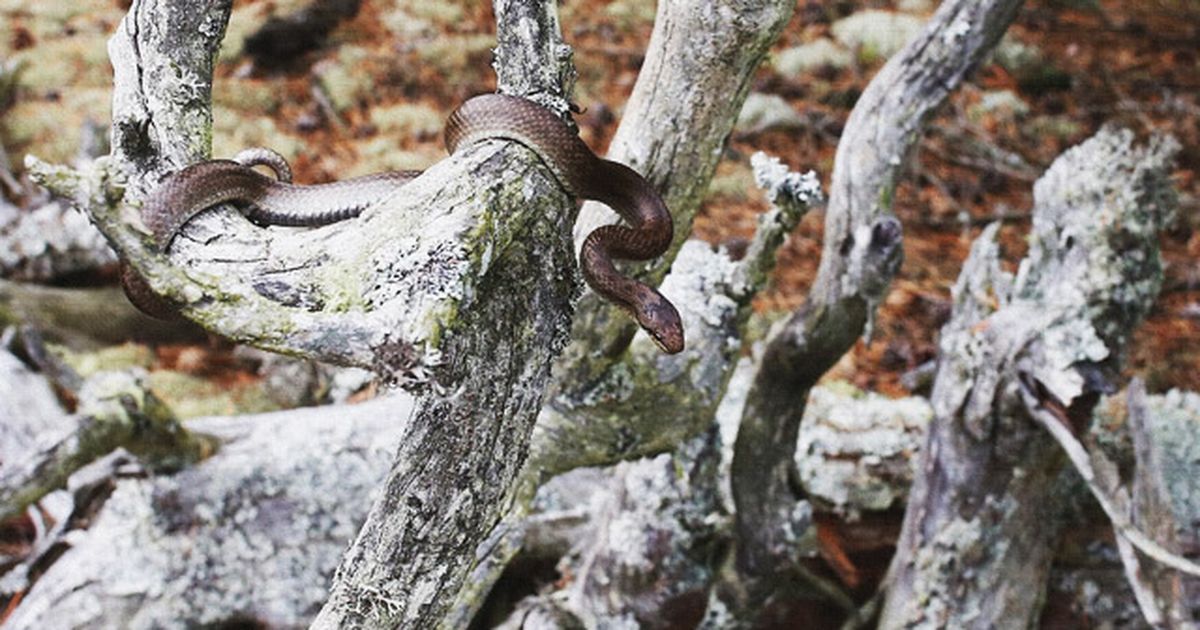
{"type": "Point", "coordinates": [645, 234]}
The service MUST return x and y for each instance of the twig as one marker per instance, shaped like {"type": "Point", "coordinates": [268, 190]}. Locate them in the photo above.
{"type": "Point", "coordinates": [1114, 500]}
{"type": "Point", "coordinates": [1001, 162]}
{"type": "Point", "coordinates": [1142, 592]}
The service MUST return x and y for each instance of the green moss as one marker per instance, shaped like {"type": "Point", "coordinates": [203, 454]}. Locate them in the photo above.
{"type": "Point", "coordinates": [77, 61]}
{"type": "Point", "coordinates": [1002, 104]}
{"type": "Point", "coordinates": [345, 286]}
{"type": "Point", "coordinates": [246, 20]}
{"type": "Point", "coordinates": [443, 13]}
{"type": "Point", "coordinates": [629, 14]}
{"type": "Point", "coordinates": [407, 120]}
{"type": "Point", "coordinates": [381, 154]}
{"type": "Point", "coordinates": [885, 195]}
{"type": "Point", "coordinates": [346, 78]}
{"type": "Point", "coordinates": [419, 19]}
{"type": "Point", "coordinates": [191, 396]}
{"type": "Point", "coordinates": [822, 53]}
{"type": "Point", "coordinates": [454, 56]}
{"type": "Point", "coordinates": [876, 34]}
{"type": "Point", "coordinates": [252, 96]}
{"type": "Point", "coordinates": [734, 184]}
{"type": "Point", "coordinates": [52, 11]}
{"type": "Point", "coordinates": [233, 132]}
{"type": "Point", "coordinates": [111, 359]}
{"type": "Point", "coordinates": [55, 127]}
{"type": "Point", "coordinates": [1059, 127]}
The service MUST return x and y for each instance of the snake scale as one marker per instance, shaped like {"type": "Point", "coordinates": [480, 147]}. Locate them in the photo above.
{"type": "Point", "coordinates": [646, 234]}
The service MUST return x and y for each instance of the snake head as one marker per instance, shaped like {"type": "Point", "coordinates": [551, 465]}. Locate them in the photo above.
{"type": "Point", "coordinates": [659, 319]}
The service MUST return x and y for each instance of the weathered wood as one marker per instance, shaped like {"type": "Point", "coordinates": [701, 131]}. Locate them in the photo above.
{"type": "Point", "coordinates": [980, 516]}
{"type": "Point", "coordinates": [672, 131]}
{"type": "Point", "coordinates": [415, 264]}
{"type": "Point", "coordinates": [459, 288]}
{"type": "Point", "coordinates": [455, 472]}
{"type": "Point", "coordinates": [607, 404]}
{"type": "Point", "coordinates": [250, 535]}
{"type": "Point", "coordinates": [861, 253]}
{"type": "Point", "coordinates": [651, 403]}
{"type": "Point", "coordinates": [87, 318]}
{"type": "Point", "coordinates": [1163, 482]}
{"type": "Point", "coordinates": [115, 411]}
{"type": "Point", "coordinates": [32, 414]}
{"type": "Point", "coordinates": [49, 242]}
{"type": "Point", "coordinates": [648, 403]}
{"type": "Point", "coordinates": [641, 537]}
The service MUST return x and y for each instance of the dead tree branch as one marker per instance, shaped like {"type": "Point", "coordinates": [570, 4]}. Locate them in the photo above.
{"type": "Point", "coordinates": [980, 515]}
{"type": "Point", "coordinates": [862, 251]}
{"type": "Point", "coordinates": [672, 132]}
{"type": "Point", "coordinates": [460, 289]}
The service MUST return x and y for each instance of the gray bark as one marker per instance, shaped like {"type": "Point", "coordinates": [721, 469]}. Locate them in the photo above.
{"type": "Point", "coordinates": [1166, 503]}
{"type": "Point", "coordinates": [454, 475]}
{"type": "Point", "coordinates": [114, 411]}
{"type": "Point", "coordinates": [855, 455]}
{"type": "Point", "coordinates": [33, 416]}
{"type": "Point", "coordinates": [978, 518]}
{"type": "Point", "coordinates": [643, 540]}
{"type": "Point", "coordinates": [612, 387]}
{"type": "Point", "coordinates": [49, 242]}
{"type": "Point", "coordinates": [252, 533]}
{"type": "Point", "coordinates": [459, 289]}
{"type": "Point", "coordinates": [862, 251]}
{"type": "Point", "coordinates": [638, 540]}
{"type": "Point", "coordinates": [672, 131]}
{"type": "Point", "coordinates": [652, 403]}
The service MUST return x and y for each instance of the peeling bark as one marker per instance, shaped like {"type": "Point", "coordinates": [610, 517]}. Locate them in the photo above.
{"type": "Point", "coordinates": [981, 516]}
{"type": "Point", "coordinates": [862, 251]}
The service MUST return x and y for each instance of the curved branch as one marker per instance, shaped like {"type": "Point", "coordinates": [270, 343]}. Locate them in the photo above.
{"type": "Point", "coordinates": [461, 287]}
{"type": "Point", "coordinates": [699, 64]}
{"type": "Point", "coordinates": [862, 251]}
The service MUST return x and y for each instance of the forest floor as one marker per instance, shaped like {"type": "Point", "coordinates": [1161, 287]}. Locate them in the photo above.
{"type": "Point", "coordinates": [373, 96]}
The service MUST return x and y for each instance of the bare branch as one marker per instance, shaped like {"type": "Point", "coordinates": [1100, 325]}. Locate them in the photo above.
{"type": "Point", "coordinates": [862, 251]}
{"type": "Point", "coordinates": [1111, 497]}
{"type": "Point", "coordinates": [978, 515]}
{"type": "Point", "coordinates": [672, 132]}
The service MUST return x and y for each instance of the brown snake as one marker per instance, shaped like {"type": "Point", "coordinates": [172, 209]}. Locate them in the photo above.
{"type": "Point", "coordinates": [195, 188]}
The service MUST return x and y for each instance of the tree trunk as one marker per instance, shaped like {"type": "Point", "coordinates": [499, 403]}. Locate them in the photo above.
{"type": "Point", "coordinates": [459, 289]}
{"type": "Point", "coordinates": [976, 545]}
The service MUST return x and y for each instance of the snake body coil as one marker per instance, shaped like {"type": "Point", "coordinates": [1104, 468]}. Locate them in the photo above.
{"type": "Point", "coordinates": [647, 235]}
